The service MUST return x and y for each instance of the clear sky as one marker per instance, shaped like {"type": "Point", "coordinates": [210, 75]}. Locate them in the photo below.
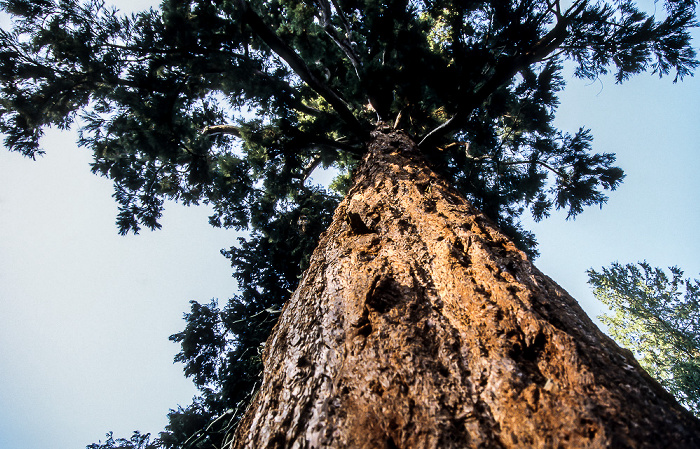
{"type": "Point", "coordinates": [85, 314]}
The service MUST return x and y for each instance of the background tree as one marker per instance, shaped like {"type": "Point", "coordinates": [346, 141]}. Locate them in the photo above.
{"type": "Point", "coordinates": [234, 104]}
{"type": "Point", "coordinates": [657, 317]}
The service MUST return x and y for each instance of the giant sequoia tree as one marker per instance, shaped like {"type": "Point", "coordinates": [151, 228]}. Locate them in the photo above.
{"type": "Point", "coordinates": [418, 320]}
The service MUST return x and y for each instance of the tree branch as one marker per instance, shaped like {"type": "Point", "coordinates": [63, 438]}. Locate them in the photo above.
{"type": "Point", "coordinates": [343, 44]}
{"type": "Point", "coordinates": [561, 175]}
{"type": "Point", "coordinates": [299, 67]}
{"type": "Point", "coordinates": [221, 129]}
{"type": "Point", "coordinates": [310, 167]}
{"type": "Point", "coordinates": [342, 18]}
{"type": "Point", "coordinates": [326, 142]}
{"type": "Point", "coordinates": [285, 93]}
{"type": "Point", "coordinates": [504, 71]}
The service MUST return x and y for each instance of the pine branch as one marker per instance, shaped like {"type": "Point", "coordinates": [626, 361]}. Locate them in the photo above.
{"type": "Point", "coordinates": [340, 146]}
{"type": "Point", "coordinates": [310, 167]}
{"type": "Point", "coordinates": [221, 129]}
{"type": "Point", "coordinates": [285, 93]}
{"type": "Point", "coordinates": [299, 67]}
{"type": "Point", "coordinates": [341, 16]}
{"type": "Point", "coordinates": [561, 175]}
{"type": "Point", "coordinates": [343, 44]}
{"type": "Point", "coordinates": [319, 141]}
{"type": "Point", "coordinates": [505, 70]}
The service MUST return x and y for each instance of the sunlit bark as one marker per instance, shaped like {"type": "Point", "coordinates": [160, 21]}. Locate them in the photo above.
{"type": "Point", "coordinates": [420, 325]}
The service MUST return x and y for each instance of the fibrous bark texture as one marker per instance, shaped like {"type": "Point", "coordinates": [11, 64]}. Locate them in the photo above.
{"type": "Point", "coordinates": [419, 325]}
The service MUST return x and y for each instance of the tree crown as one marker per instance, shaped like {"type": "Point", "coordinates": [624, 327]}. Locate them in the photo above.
{"type": "Point", "coordinates": [235, 102]}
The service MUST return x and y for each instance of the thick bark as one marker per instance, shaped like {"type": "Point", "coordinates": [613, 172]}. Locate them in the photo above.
{"type": "Point", "coordinates": [419, 325]}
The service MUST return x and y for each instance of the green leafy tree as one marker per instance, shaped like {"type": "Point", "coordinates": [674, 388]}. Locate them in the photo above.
{"type": "Point", "coordinates": [234, 103]}
{"type": "Point", "coordinates": [657, 317]}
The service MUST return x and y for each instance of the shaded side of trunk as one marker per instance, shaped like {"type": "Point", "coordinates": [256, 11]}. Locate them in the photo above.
{"type": "Point", "coordinates": [419, 325]}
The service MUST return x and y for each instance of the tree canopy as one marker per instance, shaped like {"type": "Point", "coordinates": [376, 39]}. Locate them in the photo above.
{"type": "Point", "coordinates": [216, 101]}
{"type": "Point", "coordinates": [234, 103]}
{"type": "Point", "coordinates": [657, 317]}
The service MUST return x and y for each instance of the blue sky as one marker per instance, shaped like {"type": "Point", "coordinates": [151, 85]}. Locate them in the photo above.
{"type": "Point", "coordinates": [85, 314]}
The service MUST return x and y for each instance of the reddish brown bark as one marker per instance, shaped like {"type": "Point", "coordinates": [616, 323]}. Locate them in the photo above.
{"type": "Point", "coordinates": [419, 325]}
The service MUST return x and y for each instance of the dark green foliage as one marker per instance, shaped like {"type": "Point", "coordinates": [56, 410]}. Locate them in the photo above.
{"type": "Point", "coordinates": [151, 89]}
{"type": "Point", "coordinates": [197, 426]}
{"type": "Point", "coordinates": [221, 348]}
{"type": "Point", "coordinates": [234, 103]}
{"type": "Point", "coordinates": [658, 318]}
{"type": "Point", "coordinates": [137, 441]}
{"type": "Point", "coordinates": [202, 343]}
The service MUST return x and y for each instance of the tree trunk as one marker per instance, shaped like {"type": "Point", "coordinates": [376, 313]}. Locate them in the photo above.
{"type": "Point", "coordinates": [419, 325]}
